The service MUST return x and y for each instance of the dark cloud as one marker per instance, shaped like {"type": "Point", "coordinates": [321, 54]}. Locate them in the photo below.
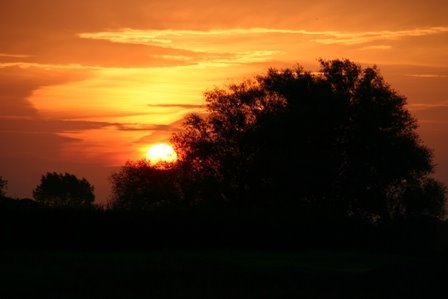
{"type": "Point", "coordinates": [139, 127]}
{"type": "Point", "coordinates": [51, 126]}
{"type": "Point", "coordinates": [163, 134]}
{"type": "Point", "coordinates": [17, 84]}
{"type": "Point", "coordinates": [175, 105]}
{"type": "Point", "coordinates": [30, 145]}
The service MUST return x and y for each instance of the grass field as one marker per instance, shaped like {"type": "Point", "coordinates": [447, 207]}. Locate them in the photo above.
{"type": "Point", "coordinates": [219, 274]}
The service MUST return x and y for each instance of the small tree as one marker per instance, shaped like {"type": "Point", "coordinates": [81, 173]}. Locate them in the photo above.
{"type": "Point", "coordinates": [64, 190]}
{"type": "Point", "coordinates": [3, 186]}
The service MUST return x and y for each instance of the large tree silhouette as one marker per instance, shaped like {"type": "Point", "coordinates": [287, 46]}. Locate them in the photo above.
{"type": "Point", "coordinates": [340, 140]}
{"type": "Point", "coordinates": [64, 190]}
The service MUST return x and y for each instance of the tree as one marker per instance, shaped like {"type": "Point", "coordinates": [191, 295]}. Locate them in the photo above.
{"type": "Point", "coordinates": [216, 151]}
{"type": "Point", "coordinates": [3, 186]}
{"type": "Point", "coordinates": [64, 190]}
{"type": "Point", "coordinates": [140, 186]}
{"type": "Point", "coordinates": [341, 140]}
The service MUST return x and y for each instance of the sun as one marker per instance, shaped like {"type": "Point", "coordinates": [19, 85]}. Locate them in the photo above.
{"type": "Point", "coordinates": [161, 152]}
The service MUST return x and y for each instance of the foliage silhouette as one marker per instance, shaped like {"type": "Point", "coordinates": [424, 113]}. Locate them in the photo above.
{"type": "Point", "coordinates": [64, 190]}
{"type": "Point", "coordinates": [3, 186]}
{"type": "Point", "coordinates": [337, 142]}
{"type": "Point", "coordinates": [141, 186]}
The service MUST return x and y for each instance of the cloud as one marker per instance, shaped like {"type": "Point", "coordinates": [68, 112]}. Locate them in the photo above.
{"type": "Point", "coordinates": [211, 47]}
{"type": "Point", "coordinates": [34, 125]}
{"type": "Point", "coordinates": [355, 38]}
{"type": "Point", "coordinates": [377, 47]}
{"type": "Point", "coordinates": [172, 38]}
{"type": "Point", "coordinates": [427, 75]}
{"type": "Point", "coordinates": [435, 113]}
{"type": "Point", "coordinates": [235, 46]}
{"type": "Point", "coordinates": [72, 50]}
{"type": "Point", "coordinates": [19, 81]}
{"type": "Point", "coordinates": [177, 105]}
{"type": "Point", "coordinates": [15, 55]}
{"type": "Point", "coordinates": [161, 135]}
{"type": "Point", "coordinates": [145, 127]}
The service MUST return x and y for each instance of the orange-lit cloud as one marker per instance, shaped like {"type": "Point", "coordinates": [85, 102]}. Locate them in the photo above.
{"type": "Point", "coordinates": [198, 39]}
{"type": "Point", "coordinates": [377, 47]}
{"type": "Point", "coordinates": [248, 45]}
{"type": "Point", "coordinates": [211, 47]}
{"type": "Point", "coordinates": [427, 75]}
{"type": "Point", "coordinates": [14, 55]}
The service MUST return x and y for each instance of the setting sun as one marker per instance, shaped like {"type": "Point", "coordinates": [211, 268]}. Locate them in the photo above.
{"type": "Point", "coordinates": [161, 152]}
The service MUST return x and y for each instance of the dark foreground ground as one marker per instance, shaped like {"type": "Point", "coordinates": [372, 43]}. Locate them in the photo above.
{"type": "Point", "coordinates": [58, 253]}
{"type": "Point", "coordinates": [220, 274]}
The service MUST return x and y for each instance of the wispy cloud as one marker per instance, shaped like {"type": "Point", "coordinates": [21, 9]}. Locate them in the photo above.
{"type": "Point", "coordinates": [144, 127]}
{"type": "Point", "coordinates": [427, 75]}
{"type": "Point", "coordinates": [426, 106]}
{"type": "Point", "coordinates": [46, 66]}
{"type": "Point", "coordinates": [254, 45]}
{"type": "Point", "coordinates": [377, 47]}
{"type": "Point", "coordinates": [9, 55]}
{"type": "Point", "coordinates": [355, 38]}
{"type": "Point", "coordinates": [35, 125]}
{"type": "Point", "coordinates": [170, 38]}
{"type": "Point", "coordinates": [436, 113]}
{"type": "Point", "coordinates": [176, 105]}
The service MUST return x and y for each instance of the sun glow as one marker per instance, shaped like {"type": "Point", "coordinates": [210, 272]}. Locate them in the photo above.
{"type": "Point", "coordinates": [161, 153]}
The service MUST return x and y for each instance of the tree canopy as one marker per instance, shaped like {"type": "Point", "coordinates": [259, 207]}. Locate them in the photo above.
{"type": "Point", "coordinates": [64, 190]}
{"type": "Point", "coordinates": [340, 140]}
{"type": "Point", "coordinates": [141, 186]}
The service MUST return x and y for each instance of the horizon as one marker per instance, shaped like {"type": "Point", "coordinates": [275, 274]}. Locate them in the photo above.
{"type": "Point", "coordinates": [87, 87]}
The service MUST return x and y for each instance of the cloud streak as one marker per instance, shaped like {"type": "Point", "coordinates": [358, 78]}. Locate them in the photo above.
{"type": "Point", "coordinates": [38, 125]}
{"type": "Point", "coordinates": [223, 47]}
{"type": "Point", "coordinates": [177, 105]}
{"type": "Point", "coordinates": [427, 75]}
{"type": "Point", "coordinates": [377, 47]}
{"type": "Point", "coordinates": [170, 38]}
{"type": "Point", "coordinates": [15, 55]}
{"type": "Point", "coordinates": [143, 127]}
{"type": "Point", "coordinates": [355, 38]}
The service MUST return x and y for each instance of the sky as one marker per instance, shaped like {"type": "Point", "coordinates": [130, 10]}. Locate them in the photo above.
{"type": "Point", "coordinates": [87, 85]}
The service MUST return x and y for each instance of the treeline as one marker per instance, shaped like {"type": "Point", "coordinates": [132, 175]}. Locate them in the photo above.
{"type": "Point", "coordinates": [290, 159]}
{"type": "Point", "coordinates": [32, 226]}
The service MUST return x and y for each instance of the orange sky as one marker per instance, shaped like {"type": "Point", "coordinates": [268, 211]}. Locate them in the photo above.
{"type": "Point", "coordinates": [86, 85]}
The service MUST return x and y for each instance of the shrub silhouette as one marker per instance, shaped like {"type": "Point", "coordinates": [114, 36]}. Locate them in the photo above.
{"type": "Point", "coordinates": [64, 190]}
{"type": "Point", "coordinates": [140, 186]}
{"type": "Point", "coordinates": [3, 186]}
{"type": "Point", "coordinates": [340, 141]}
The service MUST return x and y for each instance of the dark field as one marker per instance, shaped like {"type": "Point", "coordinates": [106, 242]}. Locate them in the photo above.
{"type": "Point", "coordinates": [49, 253]}
{"type": "Point", "coordinates": [220, 274]}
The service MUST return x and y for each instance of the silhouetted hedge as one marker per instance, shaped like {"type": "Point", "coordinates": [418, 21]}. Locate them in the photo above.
{"type": "Point", "coordinates": [34, 226]}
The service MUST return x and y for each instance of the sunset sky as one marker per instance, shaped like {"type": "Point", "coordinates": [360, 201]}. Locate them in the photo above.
{"type": "Point", "coordinates": [87, 85]}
